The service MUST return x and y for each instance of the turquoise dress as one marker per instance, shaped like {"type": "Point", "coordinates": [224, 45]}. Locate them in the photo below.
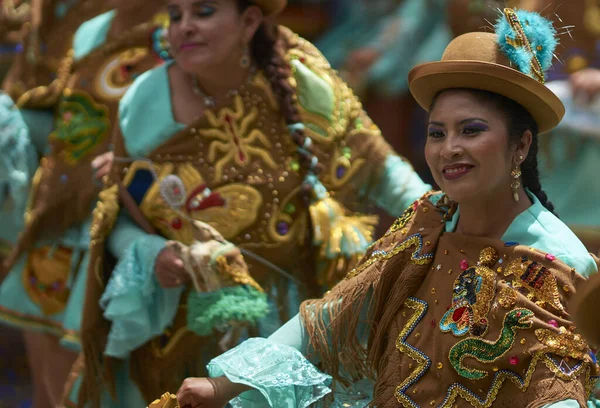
{"type": "Point", "coordinates": [281, 376]}
{"type": "Point", "coordinates": [138, 308]}
{"type": "Point", "coordinates": [406, 32]}
{"type": "Point", "coordinates": [16, 305]}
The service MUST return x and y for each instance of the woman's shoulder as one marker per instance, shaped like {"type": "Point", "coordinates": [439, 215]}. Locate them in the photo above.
{"type": "Point", "coordinates": [148, 97]}
{"type": "Point", "coordinates": [543, 230]}
{"type": "Point", "coordinates": [145, 88]}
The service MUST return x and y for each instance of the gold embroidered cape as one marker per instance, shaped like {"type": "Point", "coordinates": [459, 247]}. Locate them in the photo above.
{"type": "Point", "coordinates": [454, 320]}
{"type": "Point", "coordinates": [240, 173]}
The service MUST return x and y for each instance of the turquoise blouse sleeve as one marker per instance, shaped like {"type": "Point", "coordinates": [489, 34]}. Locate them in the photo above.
{"type": "Point", "coordinates": [398, 186]}
{"type": "Point", "coordinates": [280, 374]}
{"type": "Point", "coordinates": [138, 307]}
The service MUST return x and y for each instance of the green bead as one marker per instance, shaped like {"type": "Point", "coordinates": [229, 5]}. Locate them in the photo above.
{"type": "Point", "coordinates": [347, 153]}
{"type": "Point", "coordinates": [290, 208]}
{"type": "Point", "coordinates": [358, 124]}
{"type": "Point", "coordinates": [295, 166]}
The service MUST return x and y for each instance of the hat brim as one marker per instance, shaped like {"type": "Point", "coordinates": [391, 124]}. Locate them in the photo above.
{"type": "Point", "coordinates": [427, 80]}
{"type": "Point", "coordinates": [270, 7]}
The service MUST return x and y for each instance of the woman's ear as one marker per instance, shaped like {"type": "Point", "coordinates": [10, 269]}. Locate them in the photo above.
{"type": "Point", "coordinates": [523, 145]}
{"type": "Point", "coordinates": [252, 18]}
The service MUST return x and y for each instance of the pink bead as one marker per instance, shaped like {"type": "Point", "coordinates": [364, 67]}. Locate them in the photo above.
{"type": "Point", "coordinates": [550, 257]}
{"type": "Point", "coordinates": [553, 323]}
{"type": "Point", "coordinates": [464, 264]}
{"type": "Point", "coordinates": [514, 360]}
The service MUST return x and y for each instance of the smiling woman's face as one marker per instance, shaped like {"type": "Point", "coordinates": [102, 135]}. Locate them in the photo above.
{"type": "Point", "coordinates": [467, 147]}
{"type": "Point", "coordinates": [205, 34]}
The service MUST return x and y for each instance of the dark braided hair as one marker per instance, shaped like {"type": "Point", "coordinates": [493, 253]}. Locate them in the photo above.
{"type": "Point", "coordinates": [518, 120]}
{"type": "Point", "coordinates": [267, 49]}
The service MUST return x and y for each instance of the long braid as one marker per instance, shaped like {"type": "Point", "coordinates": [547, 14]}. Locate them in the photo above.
{"type": "Point", "coordinates": [268, 52]}
{"type": "Point", "coordinates": [531, 176]}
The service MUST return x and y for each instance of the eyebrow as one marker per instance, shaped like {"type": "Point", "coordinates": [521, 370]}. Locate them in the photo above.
{"type": "Point", "coordinates": [462, 122]}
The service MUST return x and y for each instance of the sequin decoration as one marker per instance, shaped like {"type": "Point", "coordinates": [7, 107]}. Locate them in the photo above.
{"type": "Point", "coordinates": [404, 218]}
{"type": "Point", "coordinates": [486, 351]}
{"type": "Point", "coordinates": [507, 297]}
{"type": "Point", "coordinates": [536, 279]}
{"type": "Point", "coordinates": [458, 390]}
{"type": "Point", "coordinates": [417, 257]}
{"type": "Point", "coordinates": [473, 292]}
{"type": "Point", "coordinates": [565, 343]}
{"type": "Point", "coordinates": [422, 361]}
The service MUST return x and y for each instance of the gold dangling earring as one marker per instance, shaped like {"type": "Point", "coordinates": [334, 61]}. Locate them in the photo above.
{"type": "Point", "coordinates": [516, 175]}
{"type": "Point", "coordinates": [245, 60]}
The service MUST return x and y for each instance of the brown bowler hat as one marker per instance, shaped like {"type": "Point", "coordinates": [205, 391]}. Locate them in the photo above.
{"type": "Point", "coordinates": [270, 7]}
{"type": "Point", "coordinates": [475, 61]}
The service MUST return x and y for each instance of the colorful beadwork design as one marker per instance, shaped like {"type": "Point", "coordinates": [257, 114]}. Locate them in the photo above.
{"type": "Point", "coordinates": [522, 382]}
{"type": "Point", "coordinates": [537, 280]}
{"type": "Point", "coordinates": [486, 351]}
{"type": "Point", "coordinates": [507, 297]}
{"type": "Point", "coordinates": [421, 360]}
{"type": "Point", "coordinates": [474, 290]}
{"type": "Point", "coordinates": [565, 343]}
{"type": "Point", "coordinates": [81, 124]}
{"type": "Point", "coordinates": [234, 138]}
{"type": "Point", "coordinates": [406, 216]}
{"type": "Point", "coordinates": [417, 257]}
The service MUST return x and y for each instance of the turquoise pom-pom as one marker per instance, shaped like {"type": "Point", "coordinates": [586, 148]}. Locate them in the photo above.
{"type": "Point", "coordinates": [539, 32]}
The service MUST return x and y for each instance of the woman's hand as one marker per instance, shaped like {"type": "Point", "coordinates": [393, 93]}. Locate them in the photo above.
{"type": "Point", "coordinates": [208, 392]}
{"type": "Point", "coordinates": [101, 164]}
{"type": "Point", "coordinates": [169, 269]}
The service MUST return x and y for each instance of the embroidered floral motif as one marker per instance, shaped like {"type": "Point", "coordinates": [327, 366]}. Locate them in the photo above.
{"type": "Point", "coordinates": [421, 360]}
{"type": "Point", "coordinates": [473, 290]}
{"type": "Point", "coordinates": [486, 351]}
{"type": "Point", "coordinates": [81, 124]}
{"type": "Point", "coordinates": [537, 280]}
{"type": "Point", "coordinates": [234, 138]}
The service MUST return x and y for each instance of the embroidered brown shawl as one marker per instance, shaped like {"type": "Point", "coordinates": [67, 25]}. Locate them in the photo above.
{"type": "Point", "coordinates": [454, 320]}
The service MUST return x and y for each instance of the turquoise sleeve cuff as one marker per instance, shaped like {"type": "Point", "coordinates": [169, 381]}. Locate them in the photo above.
{"type": "Point", "coordinates": [138, 307]}
{"type": "Point", "coordinates": [398, 186]}
{"type": "Point", "coordinates": [279, 375]}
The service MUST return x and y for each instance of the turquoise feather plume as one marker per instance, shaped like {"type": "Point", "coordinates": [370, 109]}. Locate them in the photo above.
{"type": "Point", "coordinates": [539, 46]}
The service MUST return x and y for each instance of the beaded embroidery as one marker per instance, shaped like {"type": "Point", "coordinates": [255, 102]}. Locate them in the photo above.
{"type": "Point", "coordinates": [422, 361]}
{"type": "Point", "coordinates": [416, 257]}
{"type": "Point", "coordinates": [486, 351]}
{"type": "Point", "coordinates": [233, 138]}
{"type": "Point", "coordinates": [404, 218]}
{"type": "Point", "coordinates": [81, 124]}
{"type": "Point", "coordinates": [459, 390]}
{"type": "Point", "coordinates": [565, 343]}
{"type": "Point", "coordinates": [473, 290]}
{"type": "Point", "coordinates": [537, 280]}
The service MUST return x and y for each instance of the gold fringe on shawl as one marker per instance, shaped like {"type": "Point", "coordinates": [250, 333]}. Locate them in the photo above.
{"type": "Point", "coordinates": [389, 273]}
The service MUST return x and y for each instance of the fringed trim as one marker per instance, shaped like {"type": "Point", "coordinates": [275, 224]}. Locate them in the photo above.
{"type": "Point", "coordinates": [380, 289]}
